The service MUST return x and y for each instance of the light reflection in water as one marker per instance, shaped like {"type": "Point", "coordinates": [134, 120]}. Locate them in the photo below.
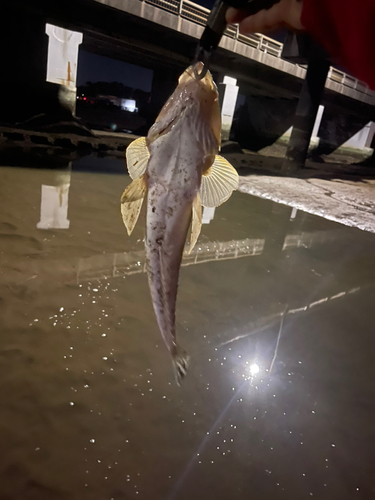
{"type": "Point", "coordinates": [254, 369]}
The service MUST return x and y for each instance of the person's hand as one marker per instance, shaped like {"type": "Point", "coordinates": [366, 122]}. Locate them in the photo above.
{"type": "Point", "coordinates": [286, 13]}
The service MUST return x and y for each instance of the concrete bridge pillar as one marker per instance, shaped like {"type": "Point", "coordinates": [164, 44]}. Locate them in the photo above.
{"type": "Point", "coordinates": [360, 140]}
{"type": "Point", "coordinates": [299, 48]}
{"type": "Point", "coordinates": [363, 138]}
{"type": "Point", "coordinates": [339, 131]}
{"type": "Point", "coordinates": [62, 62]}
{"type": "Point", "coordinates": [315, 133]}
{"type": "Point", "coordinates": [228, 92]}
{"type": "Point", "coordinates": [305, 118]}
{"type": "Point", "coordinates": [24, 48]}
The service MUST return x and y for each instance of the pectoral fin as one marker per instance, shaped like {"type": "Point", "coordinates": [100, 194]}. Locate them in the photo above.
{"type": "Point", "coordinates": [137, 155]}
{"type": "Point", "coordinates": [218, 183]}
{"type": "Point", "coordinates": [131, 203]}
{"type": "Point", "coordinates": [196, 223]}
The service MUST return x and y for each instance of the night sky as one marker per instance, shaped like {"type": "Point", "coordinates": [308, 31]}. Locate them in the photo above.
{"type": "Point", "coordinates": [92, 67]}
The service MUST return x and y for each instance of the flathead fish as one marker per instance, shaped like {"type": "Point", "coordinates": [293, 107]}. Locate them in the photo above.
{"type": "Point", "coordinates": [176, 166]}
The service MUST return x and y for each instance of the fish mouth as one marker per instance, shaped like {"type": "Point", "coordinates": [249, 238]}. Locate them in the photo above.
{"type": "Point", "coordinates": [168, 127]}
{"type": "Point", "coordinates": [155, 134]}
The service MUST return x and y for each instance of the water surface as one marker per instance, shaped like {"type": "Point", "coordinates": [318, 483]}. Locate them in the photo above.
{"type": "Point", "coordinates": [275, 308]}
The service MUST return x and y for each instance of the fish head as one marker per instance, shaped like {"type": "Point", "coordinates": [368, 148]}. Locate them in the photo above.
{"type": "Point", "coordinates": [192, 93]}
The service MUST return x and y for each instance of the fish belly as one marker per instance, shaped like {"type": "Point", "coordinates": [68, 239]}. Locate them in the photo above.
{"type": "Point", "coordinates": [173, 182]}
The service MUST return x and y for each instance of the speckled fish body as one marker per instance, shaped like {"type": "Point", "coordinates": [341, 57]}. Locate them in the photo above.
{"type": "Point", "coordinates": [174, 172]}
{"type": "Point", "coordinates": [180, 148]}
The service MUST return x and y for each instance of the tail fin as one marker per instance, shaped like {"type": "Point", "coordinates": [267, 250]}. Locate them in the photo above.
{"type": "Point", "coordinates": [180, 365]}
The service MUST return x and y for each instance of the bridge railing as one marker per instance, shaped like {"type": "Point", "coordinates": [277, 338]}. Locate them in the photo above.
{"type": "Point", "coordinates": [349, 81]}
{"type": "Point", "coordinates": [198, 14]}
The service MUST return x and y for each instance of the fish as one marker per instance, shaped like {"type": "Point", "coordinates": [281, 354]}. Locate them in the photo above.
{"type": "Point", "coordinates": [177, 169]}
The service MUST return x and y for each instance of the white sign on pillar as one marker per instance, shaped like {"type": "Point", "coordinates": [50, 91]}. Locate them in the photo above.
{"type": "Point", "coordinates": [62, 56]}
{"type": "Point", "coordinates": [371, 135]}
{"type": "Point", "coordinates": [228, 106]}
{"type": "Point", "coordinates": [318, 120]}
{"type": "Point", "coordinates": [315, 132]}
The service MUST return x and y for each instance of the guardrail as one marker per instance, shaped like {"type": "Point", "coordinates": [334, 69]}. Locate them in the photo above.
{"type": "Point", "coordinates": [349, 81]}
{"type": "Point", "coordinates": [198, 14]}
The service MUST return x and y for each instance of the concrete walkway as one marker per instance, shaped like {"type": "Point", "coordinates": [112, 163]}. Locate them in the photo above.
{"type": "Point", "coordinates": [342, 193]}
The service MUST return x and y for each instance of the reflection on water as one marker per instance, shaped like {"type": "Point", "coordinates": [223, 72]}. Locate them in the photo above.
{"type": "Point", "coordinates": [127, 263]}
{"type": "Point", "coordinates": [308, 239]}
{"type": "Point", "coordinates": [279, 401]}
{"type": "Point", "coordinates": [54, 203]}
{"type": "Point", "coordinates": [208, 214]}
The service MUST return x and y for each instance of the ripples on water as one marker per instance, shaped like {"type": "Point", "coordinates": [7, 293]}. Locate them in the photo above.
{"type": "Point", "coordinates": [275, 308]}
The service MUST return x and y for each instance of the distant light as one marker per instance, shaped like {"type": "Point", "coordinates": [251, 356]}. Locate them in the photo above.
{"type": "Point", "coordinates": [129, 105]}
{"type": "Point", "coordinates": [254, 369]}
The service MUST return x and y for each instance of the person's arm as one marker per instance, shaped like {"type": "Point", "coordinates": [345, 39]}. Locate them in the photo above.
{"type": "Point", "coordinates": [346, 29]}
{"type": "Point", "coordinates": [284, 13]}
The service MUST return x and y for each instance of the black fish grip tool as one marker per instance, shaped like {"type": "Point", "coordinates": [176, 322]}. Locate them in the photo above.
{"type": "Point", "coordinates": [216, 25]}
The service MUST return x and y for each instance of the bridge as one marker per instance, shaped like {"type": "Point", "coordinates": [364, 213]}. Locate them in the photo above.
{"type": "Point", "coordinates": [162, 35]}
{"type": "Point", "coordinates": [188, 18]}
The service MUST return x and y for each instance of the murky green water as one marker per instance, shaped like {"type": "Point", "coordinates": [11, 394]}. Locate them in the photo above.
{"type": "Point", "coordinates": [275, 308]}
